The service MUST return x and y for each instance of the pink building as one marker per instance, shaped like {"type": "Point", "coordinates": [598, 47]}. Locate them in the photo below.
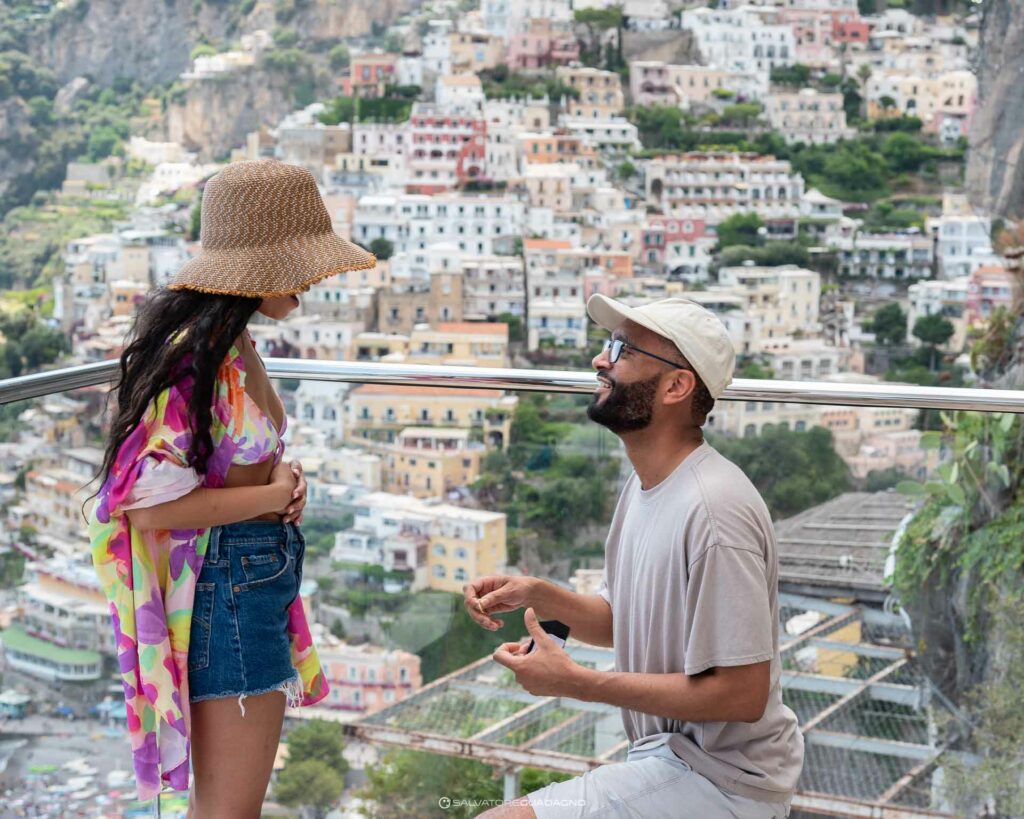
{"type": "Point", "coordinates": [443, 148]}
{"type": "Point", "coordinates": [848, 27]}
{"type": "Point", "coordinates": [366, 678]}
{"type": "Point", "coordinates": [540, 45]}
{"type": "Point", "coordinates": [988, 288]}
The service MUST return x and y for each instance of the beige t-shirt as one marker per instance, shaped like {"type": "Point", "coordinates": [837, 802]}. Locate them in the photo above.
{"type": "Point", "coordinates": [691, 575]}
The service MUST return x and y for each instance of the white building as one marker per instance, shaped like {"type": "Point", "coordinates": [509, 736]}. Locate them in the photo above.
{"type": "Point", "coordinates": [715, 185]}
{"type": "Point", "coordinates": [492, 285]}
{"type": "Point", "coordinates": [742, 40]}
{"type": "Point", "coordinates": [376, 138]}
{"type": "Point", "coordinates": [411, 222]}
{"type": "Point", "coordinates": [883, 255]}
{"type": "Point", "coordinates": [613, 135]}
{"type": "Point", "coordinates": [320, 404]}
{"type": "Point", "coordinates": [940, 298]}
{"type": "Point", "coordinates": [808, 115]}
{"type": "Point", "coordinates": [459, 93]}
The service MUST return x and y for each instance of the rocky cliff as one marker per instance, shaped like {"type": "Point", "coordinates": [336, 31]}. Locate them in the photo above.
{"type": "Point", "coordinates": [216, 114]}
{"type": "Point", "coordinates": [995, 166]}
{"type": "Point", "coordinates": [150, 40]}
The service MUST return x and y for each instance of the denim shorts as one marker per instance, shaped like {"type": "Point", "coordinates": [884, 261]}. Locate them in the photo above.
{"type": "Point", "coordinates": [239, 644]}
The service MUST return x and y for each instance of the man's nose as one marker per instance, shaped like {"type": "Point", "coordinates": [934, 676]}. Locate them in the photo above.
{"type": "Point", "coordinates": [601, 360]}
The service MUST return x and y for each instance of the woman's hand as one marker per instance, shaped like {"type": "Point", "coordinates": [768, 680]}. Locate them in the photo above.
{"type": "Point", "coordinates": [284, 481]}
{"type": "Point", "coordinates": [293, 514]}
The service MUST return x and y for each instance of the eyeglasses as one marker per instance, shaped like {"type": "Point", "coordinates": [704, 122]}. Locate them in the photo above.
{"type": "Point", "coordinates": [613, 346]}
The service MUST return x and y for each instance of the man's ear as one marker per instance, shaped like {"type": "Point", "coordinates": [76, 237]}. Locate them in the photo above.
{"type": "Point", "coordinates": [681, 386]}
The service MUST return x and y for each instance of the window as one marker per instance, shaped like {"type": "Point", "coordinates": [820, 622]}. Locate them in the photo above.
{"type": "Point", "coordinates": [440, 572]}
{"type": "Point", "coordinates": [461, 553]}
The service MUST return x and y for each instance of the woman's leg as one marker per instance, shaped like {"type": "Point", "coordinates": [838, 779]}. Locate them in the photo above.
{"type": "Point", "coordinates": [232, 755]}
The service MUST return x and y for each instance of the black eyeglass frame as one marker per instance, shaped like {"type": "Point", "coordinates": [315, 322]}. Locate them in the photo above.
{"type": "Point", "coordinates": [613, 346]}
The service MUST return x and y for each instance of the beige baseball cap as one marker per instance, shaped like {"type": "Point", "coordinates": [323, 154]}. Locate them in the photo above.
{"type": "Point", "coordinates": [697, 332]}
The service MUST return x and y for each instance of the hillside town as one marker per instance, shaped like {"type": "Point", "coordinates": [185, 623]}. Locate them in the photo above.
{"type": "Point", "coordinates": [795, 167]}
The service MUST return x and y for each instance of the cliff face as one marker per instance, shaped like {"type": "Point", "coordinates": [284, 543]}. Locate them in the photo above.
{"type": "Point", "coordinates": [216, 114]}
{"type": "Point", "coordinates": [13, 125]}
{"type": "Point", "coordinates": [150, 40]}
{"type": "Point", "coordinates": [995, 164]}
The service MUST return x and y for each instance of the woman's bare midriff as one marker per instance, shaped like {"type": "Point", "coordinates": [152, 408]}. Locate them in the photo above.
{"type": "Point", "coordinates": [252, 475]}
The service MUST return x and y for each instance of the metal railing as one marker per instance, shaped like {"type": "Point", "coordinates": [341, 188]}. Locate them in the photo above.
{"type": "Point", "coordinates": [568, 381]}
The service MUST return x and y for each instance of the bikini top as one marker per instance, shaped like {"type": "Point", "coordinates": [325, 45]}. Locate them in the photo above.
{"type": "Point", "coordinates": [259, 438]}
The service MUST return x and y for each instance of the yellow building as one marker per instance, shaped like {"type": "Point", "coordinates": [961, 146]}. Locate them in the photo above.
{"type": "Point", "coordinates": [600, 92]}
{"type": "Point", "coordinates": [379, 347]}
{"type": "Point", "coordinates": [460, 343]}
{"type": "Point", "coordinates": [464, 544]}
{"type": "Point", "coordinates": [378, 412]}
{"type": "Point", "coordinates": [428, 462]}
{"type": "Point", "coordinates": [474, 51]}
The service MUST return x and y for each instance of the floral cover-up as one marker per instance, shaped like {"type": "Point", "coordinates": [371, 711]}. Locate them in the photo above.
{"type": "Point", "coordinates": [149, 578]}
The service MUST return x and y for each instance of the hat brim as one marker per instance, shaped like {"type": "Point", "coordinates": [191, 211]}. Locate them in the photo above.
{"type": "Point", "coordinates": [268, 271]}
{"type": "Point", "coordinates": [610, 314]}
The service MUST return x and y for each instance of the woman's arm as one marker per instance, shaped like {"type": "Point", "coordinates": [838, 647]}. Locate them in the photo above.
{"type": "Point", "coordinates": [205, 507]}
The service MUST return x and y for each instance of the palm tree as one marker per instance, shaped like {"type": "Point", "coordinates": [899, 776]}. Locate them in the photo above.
{"type": "Point", "coordinates": [864, 74]}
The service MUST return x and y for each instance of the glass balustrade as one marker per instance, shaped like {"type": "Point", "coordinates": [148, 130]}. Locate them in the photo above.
{"type": "Point", "coordinates": [417, 488]}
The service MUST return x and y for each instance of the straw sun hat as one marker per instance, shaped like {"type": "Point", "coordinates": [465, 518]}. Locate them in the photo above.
{"type": "Point", "coordinates": [266, 232]}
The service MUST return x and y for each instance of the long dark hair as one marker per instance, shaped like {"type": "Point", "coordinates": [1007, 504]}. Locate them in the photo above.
{"type": "Point", "coordinates": [149, 364]}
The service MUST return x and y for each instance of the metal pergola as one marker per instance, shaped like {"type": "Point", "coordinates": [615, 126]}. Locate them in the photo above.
{"type": "Point", "coordinates": [869, 719]}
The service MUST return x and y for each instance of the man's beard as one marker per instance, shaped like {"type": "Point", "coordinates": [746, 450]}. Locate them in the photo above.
{"type": "Point", "coordinates": [626, 407]}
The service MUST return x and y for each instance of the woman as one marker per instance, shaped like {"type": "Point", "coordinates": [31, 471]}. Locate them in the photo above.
{"type": "Point", "coordinates": [194, 530]}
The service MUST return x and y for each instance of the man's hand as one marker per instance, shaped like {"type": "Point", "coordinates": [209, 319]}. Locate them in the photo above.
{"type": "Point", "coordinates": [293, 513]}
{"type": "Point", "coordinates": [494, 594]}
{"type": "Point", "coordinates": [548, 671]}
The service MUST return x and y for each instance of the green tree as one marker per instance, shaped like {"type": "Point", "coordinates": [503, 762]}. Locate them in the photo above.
{"type": "Point", "coordinates": [904, 153]}
{"type": "Point", "coordinates": [42, 345]}
{"type": "Point", "coordinates": [740, 229]}
{"type": "Point", "coordinates": [339, 57]}
{"type": "Point", "coordinates": [103, 142]}
{"type": "Point", "coordinates": [742, 114]}
{"type": "Point", "coordinates": [625, 171]}
{"type": "Point", "coordinates": [410, 783]}
{"type": "Point", "coordinates": [889, 324]}
{"type": "Point", "coordinates": [310, 784]}
{"type": "Point", "coordinates": [793, 471]}
{"type": "Point", "coordinates": [933, 330]}
{"type": "Point", "coordinates": [320, 740]}
{"type": "Point", "coordinates": [382, 248]}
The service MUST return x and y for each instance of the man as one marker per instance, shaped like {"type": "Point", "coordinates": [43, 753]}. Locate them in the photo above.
{"type": "Point", "coordinates": [689, 597]}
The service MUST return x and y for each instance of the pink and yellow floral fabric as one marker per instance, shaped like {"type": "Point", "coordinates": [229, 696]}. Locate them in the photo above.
{"type": "Point", "coordinates": [149, 577]}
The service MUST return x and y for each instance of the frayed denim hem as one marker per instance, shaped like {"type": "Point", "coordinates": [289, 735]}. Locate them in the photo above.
{"type": "Point", "coordinates": [291, 688]}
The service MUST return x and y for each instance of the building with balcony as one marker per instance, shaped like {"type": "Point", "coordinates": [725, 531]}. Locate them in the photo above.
{"type": "Point", "coordinates": [940, 298]}
{"type": "Point", "coordinates": [445, 545]}
{"type": "Point", "coordinates": [654, 82]}
{"type": "Point", "coordinates": [369, 74]}
{"type": "Point", "coordinates": [412, 222]}
{"type": "Point", "coordinates": [492, 286]}
{"type": "Point", "coordinates": [365, 678]}
{"type": "Point", "coordinates": [62, 604]}
{"type": "Point", "coordinates": [379, 412]}
{"type": "Point", "coordinates": [600, 92]}
{"type": "Point", "coordinates": [988, 289]}
{"type": "Point", "coordinates": [430, 462]}
{"type": "Point", "coordinates": [808, 115]}
{"type": "Point", "coordinates": [746, 40]}
{"type": "Point", "coordinates": [46, 661]}
{"type": "Point", "coordinates": [899, 256]}
{"type": "Point", "coordinates": [713, 186]}
{"type": "Point", "coordinates": [784, 298]}
{"type": "Point", "coordinates": [465, 343]}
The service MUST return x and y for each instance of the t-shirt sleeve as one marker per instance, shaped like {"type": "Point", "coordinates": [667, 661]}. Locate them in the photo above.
{"type": "Point", "coordinates": [729, 619]}
{"type": "Point", "coordinates": [602, 590]}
